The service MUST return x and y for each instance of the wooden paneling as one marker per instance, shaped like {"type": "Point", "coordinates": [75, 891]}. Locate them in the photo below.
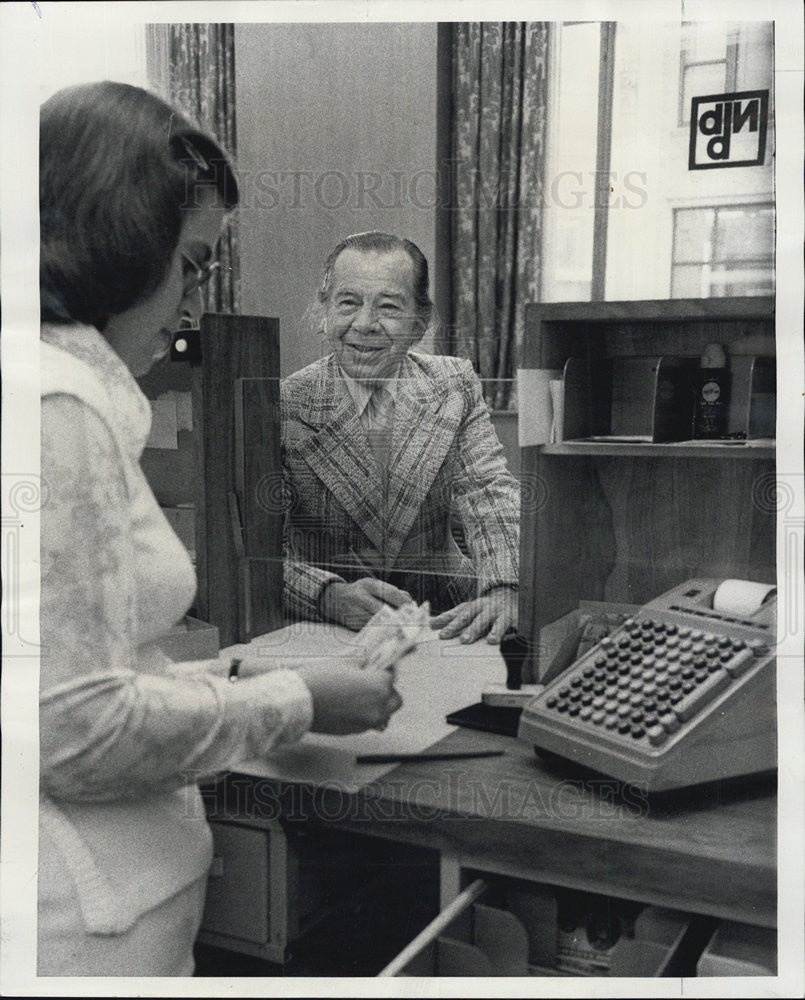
{"type": "Point", "coordinates": [258, 478]}
{"type": "Point", "coordinates": [236, 348]}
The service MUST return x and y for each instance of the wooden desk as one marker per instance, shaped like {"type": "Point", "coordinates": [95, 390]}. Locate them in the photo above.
{"type": "Point", "coordinates": [516, 816]}
{"type": "Point", "coordinates": [712, 852]}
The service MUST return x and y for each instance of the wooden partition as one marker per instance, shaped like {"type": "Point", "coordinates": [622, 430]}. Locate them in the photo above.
{"type": "Point", "coordinates": [239, 513]}
{"type": "Point", "coordinates": [219, 480]}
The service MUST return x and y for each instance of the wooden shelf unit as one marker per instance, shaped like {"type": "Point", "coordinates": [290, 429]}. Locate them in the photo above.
{"type": "Point", "coordinates": [662, 449]}
{"type": "Point", "coordinates": [609, 521]}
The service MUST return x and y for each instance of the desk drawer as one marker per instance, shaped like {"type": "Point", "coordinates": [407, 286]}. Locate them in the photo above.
{"type": "Point", "coordinates": [238, 889]}
{"type": "Point", "coordinates": [271, 886]}
{"type": "Point", "coordinates": [265, 888]}
{"type": "Point", "coordinates": [514, 928]}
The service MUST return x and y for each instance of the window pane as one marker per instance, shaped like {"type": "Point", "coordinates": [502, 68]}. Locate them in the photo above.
{"type": "Point", "coordinates": [688, 282]}
{"type": "Point", "coordinates": [693, 234]}
{"type": "Point", "coordinates": [570, 184]}
{"type": "Point", "coordinates": [743, 233]}
{"type": "Point", "coordinates": [699, 81]}
{"type": "Point", "coordinates": [703, 41]}
{"type": "Point", "coordinates": [752, 279]}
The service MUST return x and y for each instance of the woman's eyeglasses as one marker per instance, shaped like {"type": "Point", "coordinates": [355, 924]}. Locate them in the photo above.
{"type": "Point", "coordinates": [197, 275]}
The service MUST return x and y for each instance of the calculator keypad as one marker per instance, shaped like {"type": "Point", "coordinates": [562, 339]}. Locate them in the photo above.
{"type": "Point", "coordinates": [648, 679]}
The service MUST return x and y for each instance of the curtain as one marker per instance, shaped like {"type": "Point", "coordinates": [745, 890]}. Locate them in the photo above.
{"type": "Point", "coordinates": [498, 151]}
{"type": "Point", "coordinates": [193, 67]}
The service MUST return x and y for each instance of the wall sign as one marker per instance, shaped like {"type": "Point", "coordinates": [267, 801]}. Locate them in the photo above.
{"type": "Point", "coordinates": [728, 130]}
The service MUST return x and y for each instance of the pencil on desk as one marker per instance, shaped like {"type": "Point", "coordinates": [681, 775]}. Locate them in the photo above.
{"type": "Point", "coordinates": [399, 758]}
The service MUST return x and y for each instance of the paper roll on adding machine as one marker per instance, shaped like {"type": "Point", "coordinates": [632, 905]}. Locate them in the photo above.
{"type": "Point", "coordinates": [682, 693]}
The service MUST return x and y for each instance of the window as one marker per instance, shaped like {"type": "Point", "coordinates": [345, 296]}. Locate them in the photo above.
{"type": "Point", "coordinates": [723, 251]}
{"type": "Point", "coordinates": [708, 64]}
{"type": "Point", "coordinates": [658, 230]}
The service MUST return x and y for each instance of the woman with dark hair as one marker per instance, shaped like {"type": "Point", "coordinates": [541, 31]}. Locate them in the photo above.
{"type": "Point", "coordinates": [132, 202]}
{"type": "Point", "coordinates": [384, 445]}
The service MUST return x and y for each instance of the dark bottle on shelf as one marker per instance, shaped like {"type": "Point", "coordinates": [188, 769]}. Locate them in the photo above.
{"type": "Point", "coordinates": [712, 384]}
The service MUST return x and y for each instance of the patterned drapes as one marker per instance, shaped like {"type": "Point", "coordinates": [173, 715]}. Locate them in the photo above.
{"type": "Point", "coordinates": [497, 146]}
{"type": "Point", "coordinates": [201, 83]}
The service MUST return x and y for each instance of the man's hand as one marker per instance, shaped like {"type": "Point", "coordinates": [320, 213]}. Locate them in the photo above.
{"type": "Point", "coordinates": [353, 604]}
{"type": "Point", "coordinates": [491, 615]}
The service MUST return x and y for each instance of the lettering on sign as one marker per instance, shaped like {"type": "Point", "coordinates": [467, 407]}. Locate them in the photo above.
{"type": "Point", "coordinates": [728, 130]}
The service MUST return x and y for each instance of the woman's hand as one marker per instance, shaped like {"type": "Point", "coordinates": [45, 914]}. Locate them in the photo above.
{"type": "Point", "coordinates": [348, 699]}
{"type": "Point", "coordinates": [491, 615]}
{"type": "Point", "coordinates": [353, 604]}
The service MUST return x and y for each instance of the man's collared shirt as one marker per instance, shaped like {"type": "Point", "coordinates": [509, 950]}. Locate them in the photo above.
{"type": "Point", "coordinates": [361, 390]}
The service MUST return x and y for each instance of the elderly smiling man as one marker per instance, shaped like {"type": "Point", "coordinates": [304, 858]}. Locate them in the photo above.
{"type": "Point", "coordinates": [383, 446]}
